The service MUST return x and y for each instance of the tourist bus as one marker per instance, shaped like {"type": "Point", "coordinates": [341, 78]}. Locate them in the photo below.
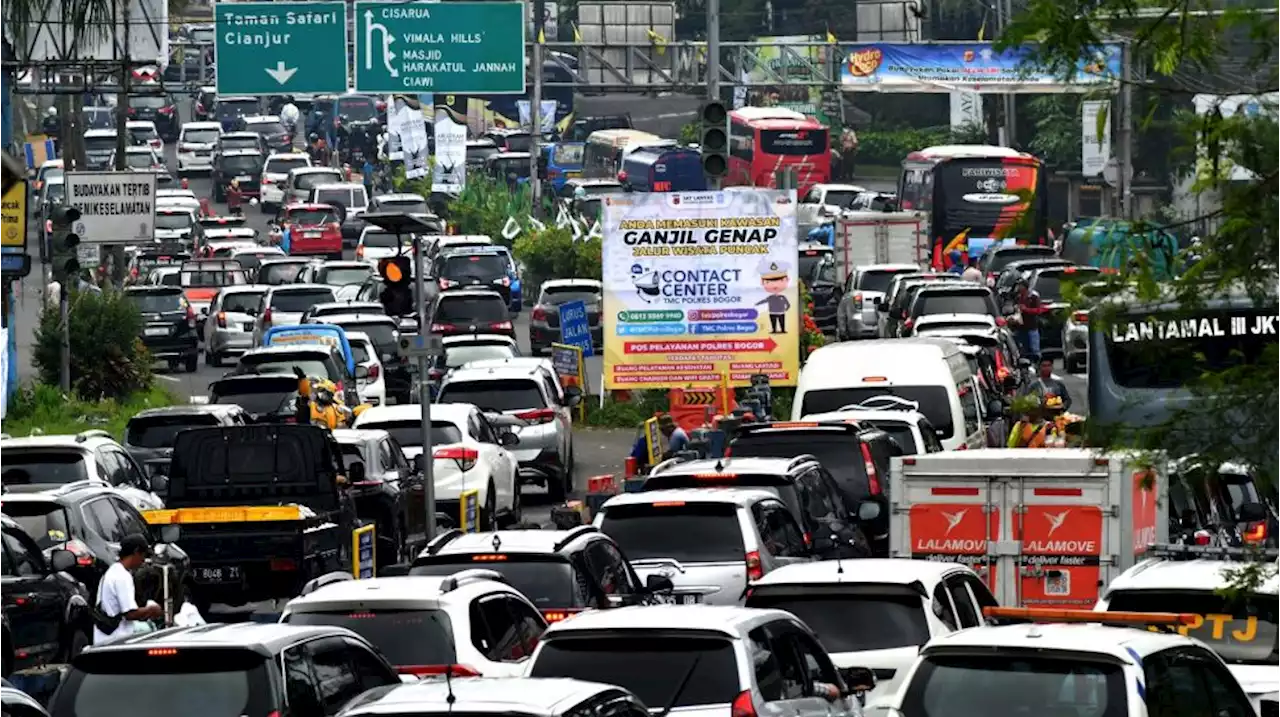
{"type": "Point", "coordinates": [602, 156]}
{"type": "Point", "coordinates": [970, 196]}
{"type": "Point", "coordinates": [763, 140]}
{"type": "Point", "coordinates": [1142, 360]}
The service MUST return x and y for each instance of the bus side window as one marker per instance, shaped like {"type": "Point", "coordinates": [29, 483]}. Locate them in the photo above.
{"type": "Point", "coordinates": [909, 192]}
{"type": "Point", "coordinates": [925, 201]}
{"type": "Point", "coordinates": [741, 141]}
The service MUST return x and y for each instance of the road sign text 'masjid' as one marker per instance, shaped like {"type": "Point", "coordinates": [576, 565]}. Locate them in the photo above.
{"type": "Point", "coordinates": [268, 48]}
{"type": "Point", "coordinates": [455, 47]}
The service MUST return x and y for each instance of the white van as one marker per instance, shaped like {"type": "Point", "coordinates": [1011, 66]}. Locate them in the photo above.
{"type": "Point", "coordinates": [932, 374]}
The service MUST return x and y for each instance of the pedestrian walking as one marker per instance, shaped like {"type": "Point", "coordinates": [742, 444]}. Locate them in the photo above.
{"type": "Point", "coordinates": [235, 197]}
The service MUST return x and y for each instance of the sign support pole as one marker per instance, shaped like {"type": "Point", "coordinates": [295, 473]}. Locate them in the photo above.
{"type": "Point", "coordinates": [713, 66]}
{"type": "Point", "coordinates": [424, 390]}
{"type": "Point", "coordinates": [535, 107]}
{"type": "Point", "coordinates": [64, 313]}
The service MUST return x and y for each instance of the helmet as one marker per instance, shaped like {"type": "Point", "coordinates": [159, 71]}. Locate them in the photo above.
{"type": "Point", "coordinates": [326, 385]}
{"type": "Point", "coordinates": [313, 136]}
{"type": "Point", "coordinates": [580, 192]}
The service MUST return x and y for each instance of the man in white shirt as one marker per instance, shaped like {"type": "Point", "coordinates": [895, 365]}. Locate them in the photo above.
{"type": "Point", "coordinates": [973, 273]}
{"type": "Point", "coordinates": [115, 591]}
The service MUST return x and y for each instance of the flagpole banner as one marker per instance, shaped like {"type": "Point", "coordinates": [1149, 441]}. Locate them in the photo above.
{"type": "Point", "coordinates": [976, 66]}
{"type": "Point", "coordinates": [449, 173]}
{"type": "Point", "coordinates": [698, 285]}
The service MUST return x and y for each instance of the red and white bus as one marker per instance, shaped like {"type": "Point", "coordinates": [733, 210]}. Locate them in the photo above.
{"type": "Point", "coordinates": [763, 140]}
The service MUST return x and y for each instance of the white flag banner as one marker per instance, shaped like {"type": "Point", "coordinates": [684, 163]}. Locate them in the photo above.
{"type": "Point", "coordinates": [966, 109]}
{"type": "Point", "coordinates": [1095, 148]}
{"type": "Point", "coordinates": [449, 175]}
{"type": "Point", "coordinates": [562, 218]}
{"type": "Point", "coordinates": [511, 229]}
{"type": "Point", "coordinates": [536, 225]}
{"type": "Point", "coordinates": [546, 117]}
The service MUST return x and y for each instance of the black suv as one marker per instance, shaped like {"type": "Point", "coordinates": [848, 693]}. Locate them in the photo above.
{"type": "Point", "coordinates": [461, 312]}
{"type": "Point", "coordinates": [801, 483]}
{"type": "Point", "coordinates": [159, 109]}
{"type": "Point", "coordinates": [561, 571]}
{"type": "Point", "coordinates": [473, 268]}
{"type": "Point", "coordinates": [244, 165]}
{"type": "Point", "coordinates": [242, 669]}
{"type": "Point", "coordinates": [45, 609]}
{"type": "Point", "coordinates": [168, 325]}
{"type": "Point", "coordinates": [856, 456]}
{"type": "Point", "coordinates": [269, 129]}
{"type": "Point", "coordinates": [148, 436]}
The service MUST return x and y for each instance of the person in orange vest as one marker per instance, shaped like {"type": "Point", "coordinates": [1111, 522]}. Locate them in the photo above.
{"type": "Point", "coordinates": [1031, 430]}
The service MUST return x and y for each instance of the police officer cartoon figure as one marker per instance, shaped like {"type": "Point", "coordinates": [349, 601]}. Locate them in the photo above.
{"type": "Point", "coordinates": [774, 280]}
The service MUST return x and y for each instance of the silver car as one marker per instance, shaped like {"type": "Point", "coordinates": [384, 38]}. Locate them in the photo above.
{"type": "Point", "coordinates": [528, 389]}
{"type": "Point", "coordinates": [284, 306]}
{"type": "Point", "coordinates": [228, 329]}
{"type": "Point", "coordinates": [1075, 341]}
{"type": "Point", "coordinates": [709, 543]}
{"type": "Point", "coordinates": [856, 314]}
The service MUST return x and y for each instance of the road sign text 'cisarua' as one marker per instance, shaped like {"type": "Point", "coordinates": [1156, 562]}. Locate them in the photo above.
{"type": "Point", "coordinates": [454, 47]}
{"type": "Point", "coordinates": [265, 48]}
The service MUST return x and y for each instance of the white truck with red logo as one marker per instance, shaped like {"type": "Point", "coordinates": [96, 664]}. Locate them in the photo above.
{"type": "Point", "coordinates": [863, 238]}
{"type": "Point", "coordinates": [1043, 527]}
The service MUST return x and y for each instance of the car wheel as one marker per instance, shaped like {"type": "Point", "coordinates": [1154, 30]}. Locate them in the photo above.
{"type": "Point", "coordinates": [211, 359]}
{"type": "Point", "coordinates": [488, 510]}
{"type": "Point", "coordinates": [192, 362]}
{"type": "Point", "coordinates": [556, 487]}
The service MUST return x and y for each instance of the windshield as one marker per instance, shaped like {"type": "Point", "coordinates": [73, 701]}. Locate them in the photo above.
{"type": "Point", "coordinates": [236, 108]}
{"type": "Point", "coordinates": [158, 301]}
{"type": "Point", "coordinates": [99, 119]}
{"type": "Point", "coordinates": [470, 309]}
{"type": "Point", "coordinates": [170, 279]}
{"type": "Point", "coordinates": [839, 453]}
{"type": "Point", "coordinates": [899, 431]}
{"type": "Point", "coordinates": [257, 399]}
{"type": "Point", "coordinates": [139, 160]}
{"type": "Point", "coordinates": [494, 396]}
{"type": "Point", "coordinates": [280, 272]}
{"type": "Point", "coordinates": [159, 431]}
{"type": "Point", "coordinates": [474, 266]}
{"type": "Point", "coordinates": [688, 533]}
{"type": "Point", "coordinates": [344, 275]}
{"type": "Point", "coordinates": [810, 259]}
{"type": "Point", "coordinates": [933, 401]}
{"type": "Point", "coordinates": [455, 356]}
{"type": "Point", "coordinates": [42, 467]}
{"type": "Point", "coordinates": [406, 206]}
{"type": "Point", "coordinates": [1171, 351]}
{"type": "Point", "coordinates": [138, 135]}
{"type": "Point", "coordinates": [935, 302]}
{"type": "Point", "coordinates": [567, 155]}
{"type": "Point", "coordinates": [299, 300]}
{"type": "Point", "coordinates": [839, 197]}
{"type": "Point", "coordinates": [238, 143]}
{"type": "Point", "coordinates": [228, 682]}
{"type": "Point", "coordinates": [556, 295]}
{"type": "Point", "coordinates": [201, 136]}
{"type": "Point", "coordinates": [99, 144]}
{"type": "Point", "coordinates": [547, 580]}
{"type": "Point", "coordinates": [311, 217]}
{"type": "Point", "coordinates": [1007, 255]}
{"type": "Point", "coordinates": [649, 665]}
{"type": "Point", "coordinates": [1049, 283]}
{"type": "Point", "coordinates": [55, 192]}
{"type": "Point", "coordinates": [509, 166]}
{"type": "Point", "coordinates": [381, 240]}
{"type": "Point", "coordinates": [315, 179]}
{"type": "Point", "coordinates": [333, 196]}
{"type": "Point", "coordinates": [409, 433]}
{"type": "Point", "coordinates": [1014, 685]}
{"type": "Point", "coordinates": [516, 143]}
{"type": "Point", "coordinates": [282, 165]}
{"type": "Point", "coordinates": [148, 101]}
{"type": "Point", "coordinates": [876, 280]}
{"type": "Point", "coordinates": [212, 278]}
{"type": "Point", "coordinates": [242, 165]}
{"type": "Point", "coordinates": [793, 142]}
{"type": "Point", "coordinates": [242, 301]}
{"type": "Point", "coordinates": [357, 109]}
{"type": "Point", "coordinates": [854, 619]}
{"type": "Point", "coordinates": [174, 220]}
{"type": "Point", "coordinates": [381, 333]}
{"type": "Point", "coordinates": [266, 129]}
{"type": "Point", "coordinates": [45, 523]}
{"type": "Point", "coordinates": [284, 364]}
{"type": "Point", "coordinates": [405, 637]}
{"type": "Point", "coordinates": [1242, 631]}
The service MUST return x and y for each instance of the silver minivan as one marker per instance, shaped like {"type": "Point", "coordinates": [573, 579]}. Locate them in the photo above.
{"type": "Point", "coordinates": [228, 328]}
{"type": "Point", "coordinates": [710, 542]}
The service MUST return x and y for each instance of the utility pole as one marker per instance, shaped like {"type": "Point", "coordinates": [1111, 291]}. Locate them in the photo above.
{"type": "Point", "coordinates": [1124, 173]}
{"type": "Point", "coordinates": [535, 106]}
{"type": "Point", "coordinates": [1006, 129]}
{"type": "Point", "coordinates": [122, 101]}
{"type": "Point", "coordinates": [713, 69]}
{"type": "Point", "coordinates": [424, 388]}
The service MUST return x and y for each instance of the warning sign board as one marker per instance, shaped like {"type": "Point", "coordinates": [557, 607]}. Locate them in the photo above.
{"type": "Point", "coordinates": [14, 232]}
{"type": "Point", "coordinates": [699, 398]}
{"type": "Point", "coordinates": [115, 207]}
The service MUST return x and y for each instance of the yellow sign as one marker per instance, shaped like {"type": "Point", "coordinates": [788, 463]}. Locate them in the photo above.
{"type": "Point", "coordinates": [469, 511]}
{"type": "Point", "coordinates": [15, 217]}
{"type": "Point", "coordinates": [364, 552]}
{"type": "Point", "coordinates": [653, 440]}
{"type": "Point", "coordinates": [231, 514]}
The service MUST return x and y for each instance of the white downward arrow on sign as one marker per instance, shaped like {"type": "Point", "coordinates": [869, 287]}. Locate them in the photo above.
{"type": "Point", "coordinates": [280, 73]}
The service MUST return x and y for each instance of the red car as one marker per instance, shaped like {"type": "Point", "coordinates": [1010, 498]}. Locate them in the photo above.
{"type": "Point", "coordinates": [313, 229]}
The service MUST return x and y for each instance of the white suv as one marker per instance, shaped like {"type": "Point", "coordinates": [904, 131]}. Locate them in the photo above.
{"type": "Point", "coordinates": [274, 174]}
{"type": "Point", "coordinates": [728, 660]}
{"type": "Point", "coordinates": [471, 621]}
{"type": "Point", "coordinates": [40, 463]}
{"type": "Point", "coordinates": [518, 697]}
{"type": "Point", "coordinates": [196, 143]}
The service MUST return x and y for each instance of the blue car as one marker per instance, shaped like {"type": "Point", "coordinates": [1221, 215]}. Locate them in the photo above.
{"type": "Point", "coordinates": [564, 162]}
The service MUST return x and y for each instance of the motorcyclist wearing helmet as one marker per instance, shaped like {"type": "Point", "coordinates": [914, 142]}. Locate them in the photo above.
{"type": "Point", "coordinates": [326, 410]}
{"type": "Point", "coordinates": [289, 116]}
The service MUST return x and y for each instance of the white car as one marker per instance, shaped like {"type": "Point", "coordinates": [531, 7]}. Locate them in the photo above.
{"type": "Point", "coordinates": [1075, 341]}
{"type": "Point", "coordinates": [950, 324]}
{"type": "Point", "coordinates": [39, 463]}
{"type": "Point", "coordinates": [274, 173]}
{"type": "Point", "coordinates": [376, 243]}
{"type": "Point", "coordinates": [196, 143]}
{"type": "Point", "coordinates": [174, 223]}
{"type": "Point", "coordinates": [285, 304]}
{"type": "Point", "coordinates": [187, 204]}
{"type": "Point", "coordinates": [824, 202]}
{"type": "Point", "coordinates": [878, 615]}
{"type": "Point", "coordinates": [337, 273]}
{"type": "Point", "coordinates": [145, 131]}
{"type": "Point", "coordinates": [907, 426]}
{"type": "Point", "coordinates": [469, 453]}
{"type": "Point", "coordinates": [373, 387]}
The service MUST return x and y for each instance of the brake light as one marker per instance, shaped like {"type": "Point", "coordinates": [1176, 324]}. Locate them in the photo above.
{"type": "Point", "coordinates": [435, 374]}
{"type": "Point", "coordinates": [287, 139]}
{"type": "Point", "coordinates": [332, 227]}
{"type": "Point", "coordinates": [1080, 317]}
{"type": "Point", "coordinates": [199, 107]}
{"type": "Point", "coordinates": [715, 476]}
{"type": "Point", "coordinates": [222, 319]}
{"type": "Point", "coordinates": [266, 316]}
{"type": "Point", "coordinates": [558, 615]}
{"type": "Point", "coordinates": [267, 180]}
{"type": "Point", "coordinates": [438, 670]}
{"type": "Point", "coordinates": [374, 372]}
{"type": "Point", "coordinates": [488, 558]}
{"type": "Point", "coordinates": [48, 226]}
{"type": "Point", "coordinates": [857, 301]}
{"type": "Point", "coordinates": [282, 565]}
{"type": "Point", "coordinates": [540, 415]}
{"type": "Point", "coordinates": [445, 283]}
{"type": "Point", "coordinates": [133, 111]}
{"type": "Point", "coordinates": [166, 110]}
{"type": "Point", "coordinates": [908, 323]}
{"type": "Point", "coordinates": [84, 558]}
{"type": "Point", "coordinates": [501, 325]}
{"type": "Point", "coordinates": [360, 251]}
{"type": "Point", "coordinates": [1202, 537]}
{"type": "Point", "coordinates": [506, 281]}
{"type": "Point", "coordinates": [442, 327]}
{"type": "Point", "coordinates": [1256, 533]}
{"type": "Point", "coordinates": [162, 652]}
{"type": "Point", "coordinates": [191, 317]}
{"type": "Point", "coordinates": [1034, 614]}
{"type": "Point", "coordinates": [465, 457]}
{"type": "Point", "coordinates": [1001, 322]}
{"type": "Point", "coordinates": [743, 705]}
{"type": "Point", "coordinates": [873, 477]}
{"type": "Point", "coordinates": [539, 314]}
{"type": "Point", "coordinates": [754, 570]}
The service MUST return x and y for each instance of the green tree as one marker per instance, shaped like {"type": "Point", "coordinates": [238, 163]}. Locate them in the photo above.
{"type": "Point", "coordinates": [108, 360]}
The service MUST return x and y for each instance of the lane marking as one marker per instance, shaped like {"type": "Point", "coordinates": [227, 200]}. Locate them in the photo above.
{"type": "Point", "coordinates": [173, 379]}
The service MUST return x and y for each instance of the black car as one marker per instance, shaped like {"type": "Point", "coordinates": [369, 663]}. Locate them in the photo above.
{"type": "Point", "coordinates": [158, 109]}
{"type": "Point", "coordinates": [265, 398]}
{"type": "Point", "coordinates": [470, 311]}
{"type": "Point", "coordinates": [825, 291]}
{"type": "Point", "coordinates": [473, 268]}
{"type": "Point", "coordinates": [1047, 281]}
{"type": "Point", "coordinates": [202, 109]}
{"type": "Point", "coordinates": [148, 436]}
{"type": "Point", "coordinates": [229, 110]}
{"type": "Point", "coordinates": [45, 610]}
{"type": "Point", "coordinates": [544, 320]}
{"type": "Point", "coordinates": [270, 130]}
{"type": "Point", "coordinates": [237, 165]}
{"type": "Point", "coordinates": [169, 325]}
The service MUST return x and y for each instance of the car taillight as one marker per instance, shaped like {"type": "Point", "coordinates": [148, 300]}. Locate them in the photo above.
{"type": "Point", "coordinates": [539, 314]}
{"type": "Point", "coordinates": [857, 301]}
{"type": "Point", "coordinates": [743, 705]}
{"type": "Point", "coordinates": [374, 371]}
{"type": "Point", "coordinates": [286, 139]}
{"type": "Point", "coordinates": [754, 570]}
{"type": "Point", "coordinates": [84, 558]}
{"type": "Point", "coordinates": [873, 478]}
{"type": "Point", "coordinates": [48, 226]}
{"type": "Point", "coordinates": [1001, 322]}
{"type": "Point", "coordinates": [558, 615]}
{"type": "Point", "coordinates": [133, 111]}
{"type": "Point", "coordinates": [442, 327]}
{"type": "Point", "coordinates": [465, 457]}
{"type": "Point", "coordinates": [501, 325]}
{"type": "Point", "coordinates": [1256, 533]}
{"type": "Point", "coordinates": [360, 251]}
{"type": "Point", "coordinates": [191, 317]}
{"type": "Point", "coordinates": [166, 110]}
{"type": "Point", "coordinates": [505, 281]}
{"type": "Point", "coordinates": [266, 180]}
{"type": "Point", "coordinates": [1202, 537]}
{"type": "Point", "coordinates": [435, 374]}
{"type": "Point", "coordinates": [438, 670]}
{"type": "Point", "coordinates": [333, 227]}
{"type": "Point", "coordinates": [539, 415]}
{"type": "Point", "coordinates": [199, 107]}
{"type": "Point", "coordinates": [266, 316]}
{"type": "Point", "coordinates": [222, 319]}
{"type": "Point", "coordinates": [1080, 317]}
{"type": "Point", "coordinates": [908, 323]}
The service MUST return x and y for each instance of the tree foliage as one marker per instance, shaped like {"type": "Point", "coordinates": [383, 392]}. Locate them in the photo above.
{"type": "Point", "coordinates": [108, 360]}
{"type": "Point", "coordinates": [554, 254]}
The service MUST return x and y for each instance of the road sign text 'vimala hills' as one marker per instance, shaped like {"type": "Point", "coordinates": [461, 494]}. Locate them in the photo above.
{"type": "Point", "coordinates": [270, 48]}
{"type": "Point", "coordinates": [453, 47]}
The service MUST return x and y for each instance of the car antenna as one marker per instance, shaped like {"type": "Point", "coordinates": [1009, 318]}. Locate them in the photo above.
{"type": "Point", "coordinates": [497, 542]}
{"type": "Point", "coordinates": [448, 684]}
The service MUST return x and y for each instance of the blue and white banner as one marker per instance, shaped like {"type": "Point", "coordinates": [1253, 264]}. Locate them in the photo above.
{"type": "Point", "coordinates": [975, 66]}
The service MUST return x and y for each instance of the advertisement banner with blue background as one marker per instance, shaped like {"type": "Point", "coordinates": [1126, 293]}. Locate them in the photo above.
{"type": "Point", "coordinates": [699, 286]}
{"type": "Point", "coordinates": [976, 66]}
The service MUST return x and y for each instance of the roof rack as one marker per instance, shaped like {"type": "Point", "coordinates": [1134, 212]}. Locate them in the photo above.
{"type": "Point", "coordinates": [470, 575]}
{"type": "Point", "coordinates": [1170, 621]}
{"type": "Point", "coordinates": [801, 460]}
{"type": "Point", "coordinates": [442, 540]}
{"type": "Point", "coordinates": [573, 535]}
{"type": "Point", "coordinates": [1174, 551]}
{"type": "Point", "coordinates": [83, 436]}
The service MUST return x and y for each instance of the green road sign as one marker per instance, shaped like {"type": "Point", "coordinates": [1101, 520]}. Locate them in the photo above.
{"type": "Point", "coordinates": [453, 47]}
{"type": "Point", "coordinates": [271, 48]}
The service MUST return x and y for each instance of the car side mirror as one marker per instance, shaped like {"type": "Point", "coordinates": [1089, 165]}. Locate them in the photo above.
{"type": "Point", "coordinates": [420, 464]}
{"type": "Point", "coordinates": [508, 439]}
{"type": "Point", "coordinates": [1251, 512]}
{"type": "Point", "coordinates": [356, 472]}
{"type": "Point", "coordinates": [362, 372]}
{"type": "Point", "coordinates": [858, 681]}
{"type": "Point", "coordinates": [170, 533]}
{"type": "Point", "coordinates": [868, 510]}
{"type": "Point", "coordinates": [658, 584]}
{"type": "Point", "coordinates": [61, 560]}
{"type": "Point", "coordinates": [159, 484]}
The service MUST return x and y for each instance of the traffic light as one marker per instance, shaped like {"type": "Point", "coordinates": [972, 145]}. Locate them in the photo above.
{"type": "Point", "coordinates": [397, 295]}
{"type": "Point", "coordinates": [714, 135]}
{"type": "Point", "coordinates": [62, 219]}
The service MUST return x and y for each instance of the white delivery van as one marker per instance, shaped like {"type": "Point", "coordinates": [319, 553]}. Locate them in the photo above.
{"type": "Point", "coordinates": [932, 376]}
{"type": "Point", "coordinates": [1043, 527]}
{"type": "Point", "coordinates": [864, 237]}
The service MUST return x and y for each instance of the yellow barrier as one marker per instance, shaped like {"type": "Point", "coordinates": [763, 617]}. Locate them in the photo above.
{"type": "Point", "coordinates": [231, 514]}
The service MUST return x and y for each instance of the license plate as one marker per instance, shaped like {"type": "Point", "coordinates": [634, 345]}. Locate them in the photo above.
{"type": "Point", "coordinates": [157, 331]}
{"type": "Point", "coordinates": [244, 178]}
{"type": "Point", "coordinates": [688, 598]}
{"type": "Point", "coordinates": [226, 574]}
{"type": "Point", "coordinates": [311, 235]}
{"type": "Point", "coordinates": [248, 327]}
{"type": "Point", "coordinates": [573, 175]}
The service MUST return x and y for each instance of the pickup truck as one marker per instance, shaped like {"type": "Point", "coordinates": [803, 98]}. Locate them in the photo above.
{"type": "Point", "coordinates": [260, 508]}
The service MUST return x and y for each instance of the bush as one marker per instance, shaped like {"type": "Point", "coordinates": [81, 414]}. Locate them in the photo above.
{"type": "Point", "coordinates": [485, 205]}
{"type": "Point", "coordinates": [890, 147]}
{"type": "Point", "coordinates": [108, 360]}
{"type": "Point", "coordinates": [553, 254]}
{"type": "Point", "coordinates": [45, 408]}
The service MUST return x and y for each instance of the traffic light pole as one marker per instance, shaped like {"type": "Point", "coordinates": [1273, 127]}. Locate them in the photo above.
{"type": "Point", "coordinates": [424, 387]}
{"type": "Point", "coordinates": [64, 314]}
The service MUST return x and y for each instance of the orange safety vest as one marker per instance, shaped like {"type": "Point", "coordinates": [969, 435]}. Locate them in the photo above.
{"type": "Point", "coordinates": [1031, 435]}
